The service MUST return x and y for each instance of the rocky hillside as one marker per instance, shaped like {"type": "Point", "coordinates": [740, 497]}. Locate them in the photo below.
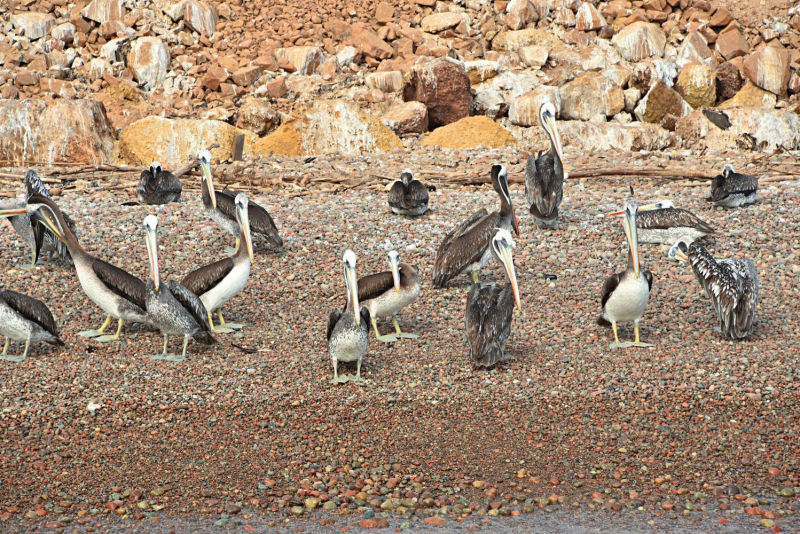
{"type": "Point", "coordinates": [130, 80]}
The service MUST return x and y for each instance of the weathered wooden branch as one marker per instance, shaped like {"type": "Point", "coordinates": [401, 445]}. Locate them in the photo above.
{"type": "Point", "coordinates": [193, 163]}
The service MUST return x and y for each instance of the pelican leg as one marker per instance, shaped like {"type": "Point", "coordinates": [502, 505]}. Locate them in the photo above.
{"type": "Point", "coordinates": [358, 378]}
{"type": "Point", "coordinates": [636, 342]}
{"type": "Point", "coordinates": [176, 358]}
{"type": "Point", "coordinates": [617, 344]}
{"type": "Point", "coordinates": [164, 354]}
{"type": "Point", "coordinates": [336, 378]}
{"type": "Point", "coordinates": [16, 359]}
{"type": "Point", "coordinates": [5, 347]}
{"type": "Point", "coordinates": [98, 332]}
{"type": "Point", "coordinates": [223, 324]}
{"type": "Point", "coordinates": [106, 339]}
{"type": "Point", "coordinates": [387, 338]}
{"type": "Point", "coordinates": [474, 276]}
{"type": "Point", "coordinates": [217, 330]}
{"type": "Point", "coordinates": [398, 332]}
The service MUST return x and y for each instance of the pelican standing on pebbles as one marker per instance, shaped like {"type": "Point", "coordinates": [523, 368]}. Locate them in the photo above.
{"type": "Point", "coordinates": [218, 282]}
{"type": "Point", "coordinates": [157, 186]}
{"type": "Point", "coordinates": [384, 294]}
{"type": "Point", "coordinates": [467, 247]}
{"type": "Point", "coordinates": [544, 175]}
{"type": "Point", "coordinates": [408, 196]}
{"type": "Point", "coordinates": [23, 318]}
{"type": "Point", "coordinates": [731, 189]}
{"type": "Point", "coordinates": [625, 295]}
{"type": "Point", "coordinates": [663, 223]}
{"type": "Point", "coordinates": [732, 286]}
{"type": "Point", "coordinates": [175, 310]}
{"type": "Point", "coordinates": [490, 308]}
{"type": "Point", "coordinates": [348, 330]}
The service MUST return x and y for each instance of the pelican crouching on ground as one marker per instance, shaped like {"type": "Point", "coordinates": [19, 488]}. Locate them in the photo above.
{"type": "Point", "coordinates": [221, 208]}
{"type": "Point", "coordinates": [408, 196]}
{"type": "Point", "coordinates": [348, 330]}
{"type": "Point", "coordinates": [157, 186]}
{"type": "Point", "coordinates": [663, 223]}
{"type": "Point", "coordinates": [490, 308]}
{"type": "Point", "coordinates": [175, 310]}
{"type": "Point", "coordinates": [23, 318]}
{"type": "Point", "coordinates": [384, 294]}
{"type": "Point", "coordinates": [119, 294]}
{"type": "Point", "coordinates": [732, 286]}
{"type": "Point", "coordinates": [544, 175]}
{"type": "Point", "coordinates": [731, 189]}
{"type": "Point", "coordinates": [220, 281]}
{"type": "Point", "coordinates": [625, 295]}
{"type": "Point", "coordinates": [466, 249]}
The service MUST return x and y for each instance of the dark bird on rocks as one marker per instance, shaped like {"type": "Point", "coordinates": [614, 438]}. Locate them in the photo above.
{"type": "Point", "coordinates": [157, 186]}
{"type": "Point", "coordinates": [732, 189]}
{"type": "Point", "coordinates": [544, 175]}
{"type": "Point", "coordinates": [719, 118]}
{"type": "Point", "coordinates": [662, 222]}
{"type": "Point", "coordinates": [24, 318]}
{"type": "Point", "coordinates": [408, 196]}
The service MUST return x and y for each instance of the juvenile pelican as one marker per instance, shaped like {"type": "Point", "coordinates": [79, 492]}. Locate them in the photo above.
{"type": "Point", "coordinates": [386, 293]}
{"type": "Point", "coordinates": [157, 186]}
{"type": "Point", "coordinates": [544, 175]}
{"type": "Point", "coordinates": [625, 295]}
{"type": "Point", "coordinates": [467, 247]}
{"type": "Point", "coordinates": [662, 222]}
{"type": "Point", "coordinates": [175, 310]}
{"type": "Point", "coordinates": [408, 196]}
{"type": "Point", "coordinates": [23, 318]}
{"type": "Point", "coordinates": [348, 331]}
{"type": "Point", "coordinates": [731, 189]}
{"type": "Point", "coordinates": [490, 308]}
{"type": "Point", "coordinates": [732, 286]}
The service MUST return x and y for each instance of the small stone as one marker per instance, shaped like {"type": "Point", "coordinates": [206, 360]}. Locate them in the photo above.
{"type": "Point", "coordinates": [297, 511]}
{"type": "Point", "coordinates": [312, 503]}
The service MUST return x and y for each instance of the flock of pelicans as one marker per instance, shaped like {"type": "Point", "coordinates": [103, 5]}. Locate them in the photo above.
{"type": "Point", "coordinates": [186, 308]}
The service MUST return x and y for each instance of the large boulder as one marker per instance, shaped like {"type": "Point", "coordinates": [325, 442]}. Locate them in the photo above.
{"type": "Point", "coordinates": [590, 94]}
{"type": "Point", "coordinates": [470, 132]}
{"type": "Point", "coordinates": [640, 40]}
{"type": "Point", "coordinates": [697, 84]}
{"type": "Point", "coordinates": [520, 13]}
{"type": "Point", "coordinates": [48, 131]}
{"type": "Point", "coordinates": [200, 17]}
{"type": "Point", "coordinates": [751, 96]}
{"type": "Point", "coordinates": [437, 22]}
{"type": "Point", "coordinates": [769, 69]}
{"type": "Point", "coordinates": [729, 81]}
{"type": "Point", "coordinates": [759, 127]}
{"type": "Point", "coordinates": [588, 18]}
{"type": "Point", "coordinates": [148, 58]}
{"type": "Point", "coordinates": [258, 117]}
{"type": "Point", "coordinates": [590, 136]}
{"type": "Point", "coordinates": [33, 25]}
{"type": "Point", "coordinates": [695, 49]}
{"type": "Point", "coordinates": [525, 108]}
{"type": "Point", "coordinates": [406, 118]}
{"type": "Point", "coordinates": [731, 43]}
{"type": "Point", "coordinates": [443, 86]}
{"type": "Point", "coordinates": [104, 11]}
{"type": "Point", "coordinates": [660, 102]}
{"type": "Point", "coordinates": [511, 41]}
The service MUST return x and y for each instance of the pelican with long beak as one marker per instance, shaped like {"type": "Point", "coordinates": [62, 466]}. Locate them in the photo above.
{"type": "Point", "coordinates": [175, 310]}
{"type": "Point", "coordinates": [119, 294]}
{"type": "Point", "coordinates": [466, 249]}
{"type": "Point", "coordinates": [490, 308]}
{"type": "Point", "coordinates": [732, 189]}
{"type": "Point", "coordinates": [348, 330]}
{"type": "Point", "coordinates": [24, 318]}
{"type": "Point", "coordinates": [625, 295]}
{"type": "Point", "coordinates": [662, 223]}
{"type": "Point", "coordinates": [386, 293]}
{"type": "Point", "coordinates": [221, 208]}
{"type": "Point", "coordinates": [220, 281]}
{"type": "Point", "coordinates": [544, 175]}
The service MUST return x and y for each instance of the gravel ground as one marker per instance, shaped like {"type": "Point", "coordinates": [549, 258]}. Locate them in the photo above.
{"type": "Point", "coordinates": [692, 432]}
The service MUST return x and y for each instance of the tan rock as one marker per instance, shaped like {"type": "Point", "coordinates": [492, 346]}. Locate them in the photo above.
{"type": "Point", "coordinates": [245, 76]}
{"type": "Point", "coordinates": [200, 17]}
{"type": "Point", "coordinates": [512, 41]}
{"type": "Point", "coordinates": [697, 84]}
{"type": "Point", "coordinates": [64, 32]}
{"type": "Point", "coordinates": [632, 96]}
{"type": "Point", "coordinates": [731, 43]}
{"type": "Point", "coordinates": [443, 86]}
{"type": "Point", "coordinates": [470, 132]}
{"type": "Point", "coordinates": [588, 18]}
{"type": "Point", "coordinates": [277, 87]}
{"type": "Point", "coordinates": [768, 128]}
{"type": "Point", "coordinates": [62, 88]}
{"type": "Point", "coordinates": [360, 37]}
{"type": "Point", "coordinates": [387, 81]}
{"type": "Point", "coordinates": [384, 13]}
{"type": "Point", "coordinates": [406, 118]}
{"type": "Point", "coordinates": [481, 70]}
{"type": "Point", "coordinates": [103, 11]}
{"type": "Point", "coordinates": [214, 77]}
{"type": "Point", "coordinates": [589, 94]}
{"type": "Point", "coordinates": [751, 96]}
{"type": "Point", "coordinates": [520, 13]}
{"type": "Point", "coordinates": [661, 101]}
{"type": "Point", "coordinates": [44, 132]}
{"type": "Point", "coordinates": [524, 110]}
{"type": "Point", "coordinates": [33, 25]}
{"type": "Point", "coordinates": [794, 84]}
{"type": "Point", "coordinates": [640, 40]}
{"type": "Point", "coordinates": [303, 59]}
{"type": "Point", "coordinates": [534, 56]}
{"type": "Point", "coordinates": [97, 68]}
{"type": "Point", "coordinates": [438, 22]}
{"type": "Point", "coordinates": [149, 58]}
{"type": "Point", "coordinates": [769, 69]}
{"type": "Point", "coordinates": [329, 68]}
{"type": "Point", "coordinates": [695, 48]}
{"type": "Point", "coordinates": [25, 78]}
{"type": "Point", "coordinates": [258, 117]}
{"type": "Point", "coordinates": [564, 16]}
{"type": "Point", "coordinates": [721, 17]}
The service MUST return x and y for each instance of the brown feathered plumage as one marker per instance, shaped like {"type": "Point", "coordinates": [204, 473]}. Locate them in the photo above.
{"type": "Point", "coordinates": [33, 310]}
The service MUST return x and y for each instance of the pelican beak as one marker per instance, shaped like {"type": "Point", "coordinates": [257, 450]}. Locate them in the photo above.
{"type": "Point", "coordinates": [551, 123]}
{"type": "Point", "coordinates": [646, 207]}
{"type": "Point", "coordinates": [352, 285]}
{"type": "Point", "coordinates": [244, 221]}
{"type": "Point", "coordinates": [395, 266]}
{"type": "Point", "coordinates": [11, 212]}
{"type": "Point", "coordinates": [38, 239]}
{"type": "Point", "coordinates": [514, 221]}
{"type": "Point", "coordinates": [44, 216]}
{"type": "Point", "coordinates": [633, 238]}
{"type": "Point", "coordinates": [681, 256]}
{"type": "Point", "coordinates": [508, 262]}
{"type": "Point", "coordinates": [206, 167]}
{"type": "Point", "coordinates": [152, 253]}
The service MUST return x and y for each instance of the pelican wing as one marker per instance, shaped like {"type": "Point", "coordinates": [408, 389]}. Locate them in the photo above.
{"type": "Point", "coordinates": [544, 186]}
{"type": "Point", "coordinates": [735, 183]}
{"type": "Point", "coordinates": [261, 222]}
{"type": "Point", "coordinates": [208, 276]}
{"type": "Point", "coordinates": [35, 186]}
{"type": "Point", "coordinates": [397, 195]}
{"type": "Point", "coordinates": [374, 285]}
{"type": "Point", "coordinates": [160, 189]}
{"type": "Point", "coordinates": [609, 286]}
{"type": "Point", "coordinates": [332, 320]}
{"type": "Point", "coordinates": [191, 303]}
{"type": "Point", "coordinates": [463, 246]}
{"type": "Point", "coordinates": [671, 218]}
{"type": "Point", "coordinates": [120, 282]}
{"type": "Point", "coordinates": [488, 319]}
{"type": "Point", "coordinates": [31, 309]}
{"type": "Point", "coordinates": [417, 193]}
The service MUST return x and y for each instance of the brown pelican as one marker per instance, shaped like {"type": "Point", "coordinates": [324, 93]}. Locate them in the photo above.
{"type": "Point", "coordinates": [662, 222]}
{"type": "Point", "coordinates": [348, 331]}
{"type": "Point", "coordinates": [544, 175]}
{"type": "Point", "coordinates": [221, 207]}
{"type": "Point", "coordinates": [22, 222]}
{"type": "Point", "coordinates": [467, 247]}
{"type": "Point", "coordinates": [23, 318]}
{"type": "Point", "coordinates": [625, 294]}
{"type": "Point", "coordinates": [408, 196]}
{"type": "Point", "coordinates": [384, 294]}
{"type": "Point", "coordinates": [732, 286]}
{"type": "Point", "coordinates": [490, 308]}
{"type": "Point", "coordinates": [731, 189]}
{"type": "Point", "coordinates": [119, 294]}
{"type": "Point", "coordinates": [220, 281]}
{"type": "Point", "coordinates": [157, 186]}
{"type": "Point", "coordinates": [175, 310]}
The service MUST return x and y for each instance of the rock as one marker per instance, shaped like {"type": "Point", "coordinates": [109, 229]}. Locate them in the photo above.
{"type": "Point", "coordinates": [33, 25]}
{"type": "Point", "coordinates": [695, 48]}
{"type": "Point", "coordinates": [520, 13]}
{"type": "Point", "coordinates": [98, 68]}
{"type": "Point", "coordinates": [721, 17]}
{"type": "Point", "coordinates": [105, 11]}
{"type": "Point", "coordinates": [214, 77]}
{"type": "Point", "coordinates": [769, 69]}
{"type": "Point", "coordinates": [632, 96]}
{"type": "Point", "coordinates": [481, 70]}
{"type": "Point", "coordinates": [245, 76]}
{"type": "Point", "coordinates": [347, 55]}
{"type": "Point", "coordinates": [49, 131]}
{"type": "Point", "coordinates": [525, 108]}
{"type": "Point", "coordinates": [384, 13]}
{"type": "Point", "coordinates": [771, 128]}
{"type": "Point", "coordinates": [64, 32]}
{"type": "Point", "coordinates": [588, 136]}
{"type": "Point", "coordinates": [618, 75]}
{"type": "Point", "coordinates": [443, 86]}
{"type": "Point", "coordinates": [659, 102]}
{"type": "Point", "coordinates": [435, 521]}
{"type": "Point", "coordinates": [362, 38]}
{"type": "Point", "coordinates": [640, 40]}
{"type": "Point", "coordinates": [588, 94]}
{"type": "Point", "coordinates": [277, 87]}
{"type": "Point", "coordinates": [697, 84]}
{"type": "Point", "coordinates": [731, 43]}
{"type": "Point", "coordinates": [588, 18]}
{"type": "Point", "coordinates": [200, 17]}
{"type": "Point", "coordinates": [729, 81]}
{"type": "Point", "coordinates": [646, 73]}
{"type": "Point", "coordinates": [303, 59]}
{"type": "Point", "coordinates": [512, 41]}
{"type": "Point", "coordinates": [489, 102]}
{"type": "Point", "coordinates": [534, 56]}
{"type": "Point", "coordinates": [258, 117]}
{"type": "Point", "coordinates": [406, 118]}
{"type": "Point", "coordinates": [751, 96]}
{"type": "Point", "coordinates": [563, 16]}
{"type": "Point", "coordinates": [438, 22]}
{"type": "Point", "coordinates": [62, 88]}
{"type": "Point", "coordinates": [149, 60]}
{"type": "Point", "coordinates": [794, 84]}
{"type": "Point", "coordinates": [390, 81]}
{"type": "Point", "coordinates": [470, 132]}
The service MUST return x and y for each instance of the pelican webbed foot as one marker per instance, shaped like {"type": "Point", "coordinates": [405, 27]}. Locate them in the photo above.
{"type": "Point", "coordinates": [220, 329]}
{"type": "Point", "coordinates": [388, 338]}
{"type": "Point", "coordinates": [15, 359]}
{"type": "Point", "coordinates": [636, 342]}
{"type": "Point", "coordinates": [618, 345]}
{"type": "Point", "coordinates": [340, 379]}
{"type": "Point", "coordinates": [399, 333]}
{"type": "Point", "coordinates": [640, 344]}
{"type": "Point", "coordinates": [228, 326]}
{"type": "Point", "coordinates": [107, 338]}
{"type": "Point", "coordinates": [99, 331]}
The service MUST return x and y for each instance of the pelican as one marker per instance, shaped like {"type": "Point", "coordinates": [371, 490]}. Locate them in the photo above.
{"type": "Point", "coordinates": [221, 207]}
{"type": "Point", "coordinates": [490, 308]}
{"type": "Point", "coordinates": [157, 186]}
{"type": "Point", "coordinates": [467, 247]}
{"type": "Point", "coordinates": [386, 293]}
{"type": "Point", "coordinates": [731, 189]}
{"type": "Point", "coordinates": [544, 175]}
{"type": "Point", "coordinates": [625, 295]}
{"type": "Point", "coordinates": [175, 310]}
{"type": "Point", "coordinates": [119, 294]}
{"type": "Point", "coordinates": [23, 318]}
{"type": "Point", "coordinates": [408, 196]}
{"type": "Point", "coordinates": [218, 282]}
{"type": "Point", "coordinates": [662, 222]}
{"type": "Point", "coordinates": [732, 286]}
{"type": "Point", "coordinates": [22, 222]}
{"type": "Point", "coordinates": [348, 331]}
